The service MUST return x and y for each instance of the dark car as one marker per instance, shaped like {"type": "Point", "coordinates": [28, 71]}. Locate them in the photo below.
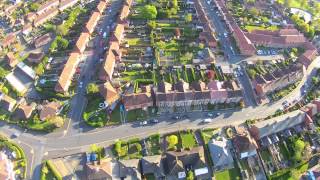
{"type": "Point", "coordinates": [176, 117]}
{"type": "Point", "coordinates": [154, 121]}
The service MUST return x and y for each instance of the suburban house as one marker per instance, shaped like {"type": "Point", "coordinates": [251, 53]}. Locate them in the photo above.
{"type": "Point", "coordinates": [49, 110]}
{"type": "Point", "coordinates": [278, 79]}
{"type": "Point", "coordinates": [153, 165]}
{"type": "Point", "coordinates": [35, 57]}
{"type": "Point", "coordinates": [102, 170]}
{"type": "Point", "coordinates": [82, 42]}
{"type": "Point", "coordinates": [309, 55]}
{"type": "Point", "coordinates": [7, 103]}
{"type": "Point", "coordinates": [42, 40]}
{"type": "Point", "coordinates": [8, 40]}
{"type": "Point", "coordinates": [109, 93]}
{"type": "Point", "coordinates": [24, 111]}
{"type": "Point", "coordinates": [117, 35]}
{"type": "Point", "coordinates": [137, 100]}
{"type": "Point", "coordinates": [11, 59]}
{"type": "Point", "coordinates": [51, 4]}
{"type": "Point", "coordinates": [220, 154]}
{"type": "Point", "coordinates": [30, 17]}
{"type": "Point", "coordinates": [101, 6]}
{"type": "Point", "coordinates": [244, 144]}
{"type": "Point", "coordinates": [40, 19]}
{"type": "Point", "coordinates": [186, 96]}
{"type": "Point", "coordinates": [64, 4]}
{"type": "Point", "coordinates": [283, 38]}
{"type": "Point", "coordinates": [67, 73]}
{"type": "Point", "coordinates": [27, 28]}
{"type": "Point", "coordinates": [109, 63]}
{"type": "Point", "coordinates": [93, 21]}
{"type": "Point", "coordinates": [129, 169]}
{"type": "Point", "coordinates": [176, 163]}
{"type": "Point", "coordinates": [6, 167]}
{"type": "Point", "coordinates": [69, 69]}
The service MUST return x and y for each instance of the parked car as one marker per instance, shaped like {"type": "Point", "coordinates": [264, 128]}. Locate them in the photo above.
{"type": "Point", "coordinates": [175, 117]}
{"type": "Point", "coordinates": [143, 123]}
{"type": "Point", "coordinates": [154, 121]}
{"type": "Point", "coordinates": [207, 120]}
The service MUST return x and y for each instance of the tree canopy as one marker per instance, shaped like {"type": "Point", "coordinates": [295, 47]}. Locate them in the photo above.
{"type": "Point", "coordinates": [149, 12]}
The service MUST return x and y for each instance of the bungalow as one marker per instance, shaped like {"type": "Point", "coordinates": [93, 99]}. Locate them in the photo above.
{"type": "Point", "coordinates": [27, 28]}
{"type": "Point", "coordinates": [67, 73]}
{"type": "Point", "coordinates": [49, 110]}
{"type": "Point", "coordinates": [42, 40]}
{"type": "Point", "coordinates": [7, 103]}
{"type": "Point", "coordinates": [64, 4]}
{"type": "Point", "coordinates": [40, 19]}
{"type": "Point", "coordinates": [47, 6]}
{"type": "Point", "coordinates": [153, 165]}
{"type": "Point", "coordinates": [129, 169]}
{"type": "Point", "coordinates": [24, 111]}
{"type": "Point", "coordinates": [11, 59]}
{"type": "Point", "coordinates": [82, 42]}
{"type": "Point", "coordinates": [109, 93]}
{"type": "Point", "coordinates": [93, 21]}
{"type": "Point", "coordinates": [103, 170]}
{"type": "Point", "coordinates": [35, 57]}
{"type": "Point", "coordinates": [220, 154]}
{"type": "Point", "coordinates": [176, 163]}
{"type": "Point", "coordinates": [278, 79]}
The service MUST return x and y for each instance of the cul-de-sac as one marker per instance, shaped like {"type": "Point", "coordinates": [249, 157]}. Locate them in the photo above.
{"type": "Point", "coordinates": [159, 89]}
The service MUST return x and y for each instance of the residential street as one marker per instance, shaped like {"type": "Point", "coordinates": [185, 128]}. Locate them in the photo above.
{"type": "Point", "coordinates": [48, 146]}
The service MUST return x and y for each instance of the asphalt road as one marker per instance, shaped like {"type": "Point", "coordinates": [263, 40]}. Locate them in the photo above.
{"type": "Point", "coordinates": [76, 137]}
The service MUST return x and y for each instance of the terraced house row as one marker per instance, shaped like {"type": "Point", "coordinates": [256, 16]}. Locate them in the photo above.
{"type": "Point", "coordinates": [46, 12]}
{"type": "Point", "coordinates": [69, 69]}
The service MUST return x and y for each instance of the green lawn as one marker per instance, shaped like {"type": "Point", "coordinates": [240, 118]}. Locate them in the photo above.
{"type": "Point", "coordinates": [251, 28]}
{"type": "Point", "coordinates": [92, 116]}
{"type": "Point", "coordinates": [188, 140]}
{"type": "Point", "coordinates": [153, 144]}
{"type": "Point", "coordinates": [297, 4]}
{"type": "Point", "coordinates": [207, 134]}
{"type": "Point", "coordinates": [231, 174]}
{"type": "Point", "coordinates": [135, 41]}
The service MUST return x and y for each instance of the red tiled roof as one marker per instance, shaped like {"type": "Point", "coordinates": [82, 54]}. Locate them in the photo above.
{"type": "Point", "coordinates": [64, 4]}
{"type": "Point", "coordinates": [12, 61]}
{"type": "Point", "coordinates": [91, 24]}
{"type": "Point", "coordinates": [8, 40]}
{"type": "Point", "coordinates": [137, 101]}
{"type": "Point", "coordinates": [67, 73]}
{"type": "Point", "coordinates": [27, 28]}
{"type": "Point", "coordinates": [117, 34]}
{"type": "Point", "coordinates": [45, 16]}
{"type": "Point", "coordinates": [35, 57]}
{"type": "Point", "coordinates": [82, 42]}
{"type": "Point", "coordinates": [42, 40]}
{"type": "Point", "coordinates": [49, 110]}
{"type": "Point", "coordinates": [101, 6]}
{"type": "Point", "coordinates": [109, 93]}
{"type": "Point", "coordinates": [48, 5]}
{"type": "Point", "coordinates": [124, 13]}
